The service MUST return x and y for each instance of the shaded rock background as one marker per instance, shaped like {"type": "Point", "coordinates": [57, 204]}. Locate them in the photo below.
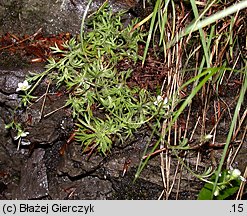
{"type": "Point", "coordinates": [27, 16]}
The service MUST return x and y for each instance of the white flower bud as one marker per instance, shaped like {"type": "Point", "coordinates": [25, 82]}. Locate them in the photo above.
{"type": "Point", "coordinates": [216, 192]}
{"type": "Point", "coordinates": [162, 100]}
{"type": "Point", "coordinates": [235, 173]}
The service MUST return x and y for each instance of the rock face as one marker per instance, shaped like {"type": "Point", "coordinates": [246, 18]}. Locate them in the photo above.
{"type": "Point", "coordinates": [27, 16]}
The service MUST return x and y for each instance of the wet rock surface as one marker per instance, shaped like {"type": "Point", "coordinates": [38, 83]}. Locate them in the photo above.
{"type": "Point", "coordinates": [33, 182]}
{"type": "Point", "coordinates": [27, 16]}
{"type": "Point", "coordinates": [30, 15]}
